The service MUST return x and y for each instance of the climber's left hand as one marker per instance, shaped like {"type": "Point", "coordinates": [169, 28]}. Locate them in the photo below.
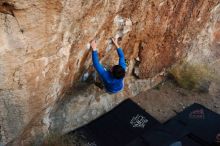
{"type": "Point", "coordinates": [94, 45]}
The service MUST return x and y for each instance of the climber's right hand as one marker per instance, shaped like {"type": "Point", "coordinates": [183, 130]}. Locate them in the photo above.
{"type": "Point", "coordinates": [94, 45]}
{"type": "Point", "coordinates": [115, 41]}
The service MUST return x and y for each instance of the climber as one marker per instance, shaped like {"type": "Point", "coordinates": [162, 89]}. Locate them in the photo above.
{"type": "Point", "coordinates": [112, 79]}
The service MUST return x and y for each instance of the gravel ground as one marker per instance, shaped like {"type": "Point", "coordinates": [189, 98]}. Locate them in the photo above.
{"type": "Point", "coordinates": [164, 101]}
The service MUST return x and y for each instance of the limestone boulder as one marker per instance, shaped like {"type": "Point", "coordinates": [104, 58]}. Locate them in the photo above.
{"type": "Point", "coordinates": [44, 52]}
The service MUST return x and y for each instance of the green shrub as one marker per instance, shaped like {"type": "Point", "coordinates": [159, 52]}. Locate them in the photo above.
{"type": "Point", "coordinates": [192, 76]}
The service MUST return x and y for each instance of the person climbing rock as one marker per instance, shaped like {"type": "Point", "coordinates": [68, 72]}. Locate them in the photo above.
{"type": "Point", "coordinates": [112, 79]}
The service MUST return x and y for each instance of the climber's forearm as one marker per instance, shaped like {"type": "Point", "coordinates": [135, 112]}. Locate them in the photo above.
{"type": "Point", "coordinates": [115, 41]}
{"type": "Point", "coordinates": [117, 46]}
{"type": "Point", "coordinates": [120, 53]}
{"type": "Point", "coordinates": [121, 58]}
{"type": "Point", "coordinates": [96, 64]}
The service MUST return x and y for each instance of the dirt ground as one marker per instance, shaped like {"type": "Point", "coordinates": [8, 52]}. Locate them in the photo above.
{"type": "Point", "coordinates": [167, 99]}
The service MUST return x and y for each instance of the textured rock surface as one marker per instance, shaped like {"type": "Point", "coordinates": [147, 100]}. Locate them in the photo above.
{"type": "Point", "coordinates": [44, 51]}
{"type": "Point", "coordinates": [201, 65]}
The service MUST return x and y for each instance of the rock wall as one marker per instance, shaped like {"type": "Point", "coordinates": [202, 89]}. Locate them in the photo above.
{"type": "Point", "coordinates": [44, 50]}
{"type": "Point", "coordinates": [200, 68]}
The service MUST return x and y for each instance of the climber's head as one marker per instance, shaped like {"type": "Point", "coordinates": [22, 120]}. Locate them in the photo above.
{"type": "Point", "coordinates": [118, 72]}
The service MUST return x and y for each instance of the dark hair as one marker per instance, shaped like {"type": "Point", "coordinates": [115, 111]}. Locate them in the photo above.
{"type": "Point", "coordinates": [118, 72]}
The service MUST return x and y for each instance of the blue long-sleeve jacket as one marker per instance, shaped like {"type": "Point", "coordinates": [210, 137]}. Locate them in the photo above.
{"type": "Point", "coordinates": [112, 84]}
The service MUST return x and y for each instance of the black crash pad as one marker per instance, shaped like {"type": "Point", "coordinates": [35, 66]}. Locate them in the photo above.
{"type": "Point", "coordinates": [162, 138]}
{"type": "Point", "coordinates": [137, 142]}
{"type": "Point", "coordinates": [129, 125]}
{"type": "Point", "coordinates": [187, 141]}
{"type": "Point", "coordinates": [171, 133]}
{"type": "Point", "coordinates": [203, 123]}
{"type": "Point", "coordinates": [120, 127]}
{"type": "Point", "coordinates": [175, 128]}
{"type": "Point", "coordinates": [158, 137]}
